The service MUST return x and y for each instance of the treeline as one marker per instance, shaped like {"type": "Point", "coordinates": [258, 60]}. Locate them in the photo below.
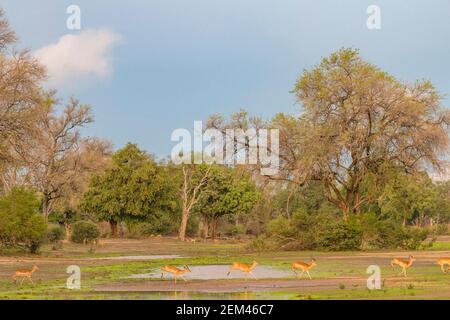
{"type": "Point", "coordinates": [353, 173]}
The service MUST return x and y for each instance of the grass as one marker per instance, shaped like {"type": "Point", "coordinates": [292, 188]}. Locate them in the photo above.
{"type": "Point", "coordinates": [424, 280]}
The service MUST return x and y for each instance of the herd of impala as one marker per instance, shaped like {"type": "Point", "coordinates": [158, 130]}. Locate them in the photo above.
{"type": "Point", "coordinates": [444, 263]}
{"type": "Point", "coordinates": [404, 264]}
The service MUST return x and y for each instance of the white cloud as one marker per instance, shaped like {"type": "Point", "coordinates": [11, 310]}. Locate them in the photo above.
{"type": "Point", "coordinates": [76, 58]}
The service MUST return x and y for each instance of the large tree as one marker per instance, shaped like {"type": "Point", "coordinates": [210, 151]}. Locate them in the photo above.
{"type": "Point", "coordinates": [228, 191]}
{"type": "Point", "coordinates": [20, 96]}
{"type": "Point", "coordinates": [193, 180]}
{"type": "Point", "coordinates": [133, 188]}
{"type": "Point", "coordinates": [52, 157]}
{"type": "Point", "coordinates": [357, 120]}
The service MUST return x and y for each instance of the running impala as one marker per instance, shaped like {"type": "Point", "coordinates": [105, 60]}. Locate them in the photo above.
{"type": "Point", "coordinates": [176, 272]}
{"type": "Point", "coordinates": [25, 273]}
{"type": "Point", "coordinates": [402, 263]}
{"type": "Point", "coordinates": [247, 268]}
{"type": "Point", "coordinates": [444, 262]}
{"type": "Point", "coordinates": [305, 267]}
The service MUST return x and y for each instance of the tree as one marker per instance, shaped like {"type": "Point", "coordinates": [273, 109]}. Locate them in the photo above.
{"type": "Point", "coordinates": [406, 196]}
{"type": "Point", "coordinates": [20, 222]}
{"type": "Point", "coordinates": [133, 188]}
{"type": "Point", "coordinates": [355, 119]}
{"type": "Point", "coordinates": [20, 97]}
{"type": "Point", "coordinates": [194, 178]}
{"type": "Point", "coordinates": [53, 156]}
{"type": "Point", "coordinates": [228, 191]}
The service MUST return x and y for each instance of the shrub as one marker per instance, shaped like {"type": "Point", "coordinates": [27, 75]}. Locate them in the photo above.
{"type": "Point", "coordinates": [55, 234]}
{"type": "Point", "coordinates": [442, 229]}
{"type": "Point", "coordinates": [413, 238]}
{"type": "Point", "coordinates": [259, 244]}
{"type": "Point", "coordinates": [162, 224]}
{"type": "Point", "coordinates": [341, 236]}
{"type": "Point", "coordinates": [280, 227]}
{"type": "Point", "coordinates": [21, 224]}
{"type": "Point", "coordinates": [235, 230]}
{"type": "Point", "coordinates": [84, 232]}
{"type": "Point", "coordinates": [394, 236]}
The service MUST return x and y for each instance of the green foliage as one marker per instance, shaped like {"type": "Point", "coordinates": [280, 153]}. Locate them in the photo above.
{"type": "Point", "coordinates": [236, 229]}
{"type": "Point", "coordinates": [21, 225]}
{"type": "Point", "coordinates": [394, 236]}
{"type": "Point", "coordinates": [227, 192]}
{"type": "Point", "coordinates": [341, 236]}
{"type": "Point", "coordinates": [84, 232]}
{"type": "Point", "coordinates": [158, 225]}
{"type": "Point", "coordinates": [259, 244]}
{"type": "Point", "coordinates": [325, 231]}
{"type": "Point", "coordinates": [134, 188]}
{"type": "Point", "coordinates": [441, 229]}
{"type": "Point", "coordinates": [55, 233]}
{"type": "Point", "coordinates": [65, 218]}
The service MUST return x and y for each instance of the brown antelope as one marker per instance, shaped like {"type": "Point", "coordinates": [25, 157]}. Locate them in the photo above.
{"type": "Point", "coordinates": [402, 263]}
{"type": "Point", "coordinates": [444, 262]}
{"type": "Point", "coordinates": [305, 267]}
{"type": "Point", "coordinates": [25, 273]}
{"type": "Point", "coordinates": [247, 268]}
{"type": "Point", "coordinates": [176, 272]}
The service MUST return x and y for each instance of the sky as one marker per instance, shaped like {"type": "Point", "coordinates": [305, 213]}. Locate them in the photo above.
{"type": "Point", "coordinates": [150, 67]}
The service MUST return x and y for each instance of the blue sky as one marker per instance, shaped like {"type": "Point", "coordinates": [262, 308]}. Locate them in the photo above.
{"type": "Point", "coordinates": [179, 61]}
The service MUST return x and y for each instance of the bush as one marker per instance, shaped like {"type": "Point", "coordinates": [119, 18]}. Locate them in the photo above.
{"type": "Point", "coordinates": [21, 224]}
{"type": "Point", "coordinates": [441, 229]}
{"type": "Point", "coordinates": [259, 244]}
{"type": "Point", "coordinates": [236, 230]}
{"type": "Point", "coordinates": [393, 236]}
{"type": "Point", "coordinates": [84, 232]}
{"type": "Point", "coordinates": [163, 224]}
{"type": "Point", "coordinates": [55, 234]}
{"type": "Point", "coordinates": [341, 236]}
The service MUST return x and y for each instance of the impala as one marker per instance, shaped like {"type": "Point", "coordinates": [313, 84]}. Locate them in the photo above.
{"type": "Point", "coordinates": [25, 273]}
{"type": "Point", "coordinates": [402, 263]}
{"type": "Point", "coordinates": [176, 272]}
{"type": "Point", "coordinates": [444, 262]}
{"type": "Point", "coordinates": [305, 267]}
{"type": "Point", "coordinates": [247, 268]}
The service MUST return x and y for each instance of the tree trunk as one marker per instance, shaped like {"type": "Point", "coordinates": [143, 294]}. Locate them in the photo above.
{"type": "Point", "coordinates": [183, 225]}
{"type": "Point", "coordinates": [357, 208]}
{"type": "Point", "coordinates": [214, 228]}
{"type": "Point", "coordinates": [45, 208]}
{"type": "Point", "coordinates": [345, 210]}
{"type": "Point", "coordinates": [68, 230]}
{"type": "Point", "coordinates": [113, 225]}
{"type": "Point", "coordinates": [205, 227]}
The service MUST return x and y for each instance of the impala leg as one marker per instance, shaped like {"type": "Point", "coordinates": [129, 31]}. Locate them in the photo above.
{"type": "Point", "coordinates": [301, 274]}
{"type": "Point", "coordinates": [308, 275]}
{"type": "Point", "coordinates": [294, 271]}
{"type": "Point", "coordinates": [23, 278]}
{"type": "Point", "coordinates": [182, 277]}
{"type": "Point", "coordinates": [252, 274]}
{"type": "Point", "coordinates": [29, 278]}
